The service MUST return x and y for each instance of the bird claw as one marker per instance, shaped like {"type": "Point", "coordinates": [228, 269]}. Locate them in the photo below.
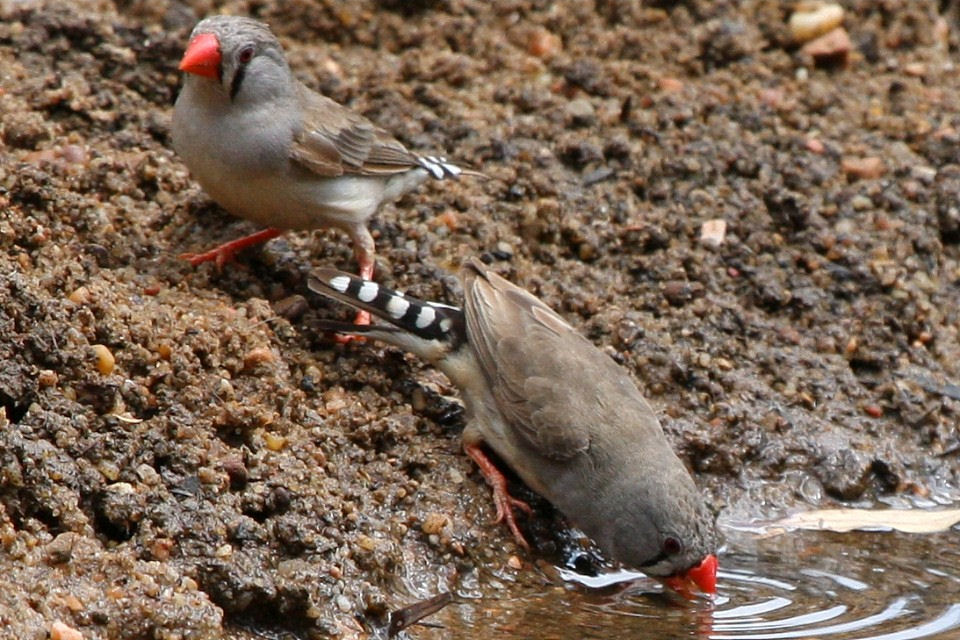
{"type": "Point", "coordinates": [225, 252]}
{"type": "Point", "coordinates": [216, 255]}
{"type": "Point", "coordinates": [362, 319]}
{"type": "Point", "coordinates": [505, 505]}
{"type": "Point", "coordinates": [504, 502]}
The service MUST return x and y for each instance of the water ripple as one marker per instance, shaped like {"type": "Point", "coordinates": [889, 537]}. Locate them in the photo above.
{"type": "Point", "coordinates": [853, 586]}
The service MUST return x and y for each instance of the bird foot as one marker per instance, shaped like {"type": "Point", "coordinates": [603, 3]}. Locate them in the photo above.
{"type": "Point", "coordinates": [504, 502]}
{"type": "Point", "coordinates": [225, 252]}
{"type": "Point", "coordinates": [363, 319]}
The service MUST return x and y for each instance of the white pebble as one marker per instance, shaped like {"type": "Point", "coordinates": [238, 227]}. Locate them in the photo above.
{"type": "Point", "coordinates": [713, 232]}
{"type": "Point", "coordinates": [807, 25]}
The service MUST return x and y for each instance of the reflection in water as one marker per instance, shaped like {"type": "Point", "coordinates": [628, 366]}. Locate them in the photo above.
{"type": "Point", "coordinates": [856, 586]}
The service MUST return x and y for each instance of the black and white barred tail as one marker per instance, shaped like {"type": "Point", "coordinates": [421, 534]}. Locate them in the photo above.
{"type": "Point", "coordinates": [440, 168]}
{"type": "Point", "coordinates": [426, 320]}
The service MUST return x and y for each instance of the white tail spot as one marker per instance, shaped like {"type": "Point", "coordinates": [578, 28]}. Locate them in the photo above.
{"type": "Point", "coordinates": [340, 283]}
{"type": "Point", "coordinates": [397, 307]}
{"type": "Point", "coordinates": [439, 167]}
{"type": "Point", "coordinates": [368, 291]}
{"type": "Point", "coordinates": [426, 317]}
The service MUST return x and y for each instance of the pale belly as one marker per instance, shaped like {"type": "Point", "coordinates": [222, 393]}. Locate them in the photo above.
{"type": "Point", "coordinates": [286, 202]}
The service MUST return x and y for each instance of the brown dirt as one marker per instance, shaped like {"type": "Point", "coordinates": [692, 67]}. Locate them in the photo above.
{"type": "Point", "coordinates": [236, 470]}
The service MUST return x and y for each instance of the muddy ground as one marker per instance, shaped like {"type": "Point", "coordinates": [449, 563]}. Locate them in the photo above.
{"type": "Point", "coordinates": [235, 469]}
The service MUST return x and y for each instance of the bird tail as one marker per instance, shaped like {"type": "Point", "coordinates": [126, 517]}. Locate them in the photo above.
{"type": "Point", "coordinates": [440, 168]}
{"type": "Point", "coordinates": [424, 328]}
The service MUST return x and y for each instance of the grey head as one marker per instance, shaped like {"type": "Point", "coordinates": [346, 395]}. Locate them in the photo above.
{"type": "Point", "coordinates": [242, 61]}
{"type": "Point", "coordinates": [661, 526]}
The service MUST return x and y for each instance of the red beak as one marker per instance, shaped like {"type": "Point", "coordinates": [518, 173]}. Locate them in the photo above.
{"type": "Point", "coordinates": [703, 577]}
{"type": "Point", "coordinates": [202, 56]}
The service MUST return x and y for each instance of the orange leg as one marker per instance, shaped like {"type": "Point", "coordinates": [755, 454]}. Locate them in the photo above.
{"type": "Point", "coordinates": [366, 272]}
{"type": "Point", "coordinates": [363, 249]}
{"type": "Point", "coordinates": [504, 501]}
{"type": "Point", "coordinates": [225, 252]}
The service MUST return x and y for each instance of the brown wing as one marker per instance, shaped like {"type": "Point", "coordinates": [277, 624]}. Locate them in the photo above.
{"type": "Point", "coordinates": [335, 141]}
{"type": "Point", "coordinates": [540, 370]}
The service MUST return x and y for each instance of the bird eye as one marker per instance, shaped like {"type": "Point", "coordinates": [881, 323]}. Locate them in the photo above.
{"type": "Point", "coordinates": [246, 55]}
{"type": "Point", "coordinates": [671, 546]}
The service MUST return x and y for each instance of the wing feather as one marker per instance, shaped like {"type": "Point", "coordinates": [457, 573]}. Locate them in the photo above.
{"type": "Point", "coordinates": [335, 141]}
{"type": "Point", "coordinates": [527, 352]}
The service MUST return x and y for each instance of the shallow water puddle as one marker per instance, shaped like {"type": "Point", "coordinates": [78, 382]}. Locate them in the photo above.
{"type": "Point", "coordinates": [804, 584]}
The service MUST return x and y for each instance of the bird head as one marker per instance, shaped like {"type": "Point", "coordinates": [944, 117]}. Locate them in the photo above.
{"type": "Point", "coordinates": [664, 528]}
{"type": "Point", "coordinates": [239, 57]}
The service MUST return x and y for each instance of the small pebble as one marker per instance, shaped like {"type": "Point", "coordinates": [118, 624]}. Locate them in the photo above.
{"type": "Point", "coordinates": [47, 378]}
{"type": "Point", "coordinates": [148, 475]}
{"type": "Point", "coordinates": [366, 542]}
{"type": "Point", "coordinates": [60, 549]}
{"type": "Point", "coordinates": [434, 523]}
{"type": "Point", "coordinates": [105, 359]}
{"type": "Point", "coordinates": [543, 44]}
{"type": "Point", "coordinates": [334, 399]}
{"type": "Point", "coordinates": [677, 292]}
{"type": "Point", "coordinates": [831, 48]}
{"type": "Point", "coordinates": [274, 441]}
{"type": "Point", "coordinates": [587, 251]}
{"type": "Point", "coordinates": [291, 307]}
{"type": "Point", "coordinates": [515, 563]}
{"type": "Point", "coordinates": [852, 345]}
{"type": "Point", "coordinates": [332, 67]}
{"type": "Point", "coordinates": [713, 232]}
{"type": "Point", "coordinates": [915, 69]}
{"type": "Point", "coordinates": [225, 389]}
{"type": "Point", "coordinates": [873, 410]}
{"type": "Point", "coordinates": [208, 475]}
{"type": "Point", "coordinates": [446, 219]}
{"type": "Point", "coordinates": [60, 631]}
{"type": "Point", "coordinates": [418, 399]}
{"type": "Point", "coordinates": [236, 470]}
{"type": "Point", "coordinates": [73, 603]}
{"type": "Point", "coordinates": [772, 97]}
{"type": "Point", "coordinates": [258, 356]}
{"type": "Point", "coordinates": [580, 112]}
{"type": "Point", "coordinates": [668, 84]}
{"type": "Point", "coordinates": [73, 153]}
{"type": "Point", "coordinates": [160, 548]}
{"type": "Point", "coordinates": [868, 168]}
{"type": "Point", "coordinates": [80, 295]}
{"type": "Point", "coordinates": [923, 173]}
{"type": "Point", "coordinates": [723, 364]}
{"type": "Point", "coordinates": [504, 249]}
{"type": "Point", "coordinates": [814, 146]}
{"type": "Point", "coordinates": [164, 350]}
{"type": "Point", "coordinates": [807, 24]}
{"type": "Point", "coordinates": [941, 32]}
